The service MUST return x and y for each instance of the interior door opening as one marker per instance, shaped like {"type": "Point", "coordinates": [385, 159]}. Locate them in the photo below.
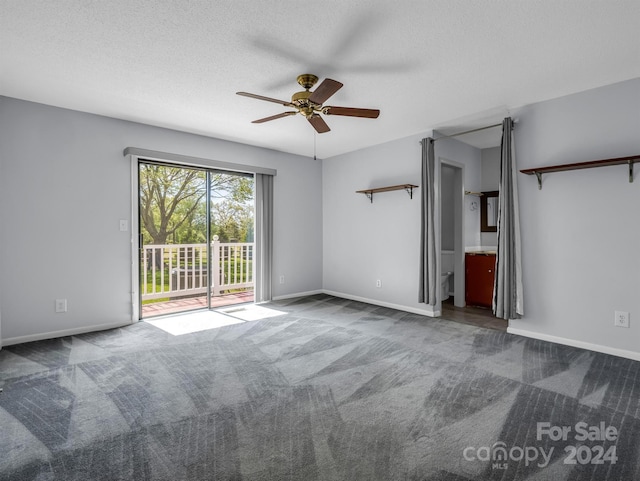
{"type": "Point", "coordinates": [452, 241]}
{"type": "Point", "coordinates": [196, 238]}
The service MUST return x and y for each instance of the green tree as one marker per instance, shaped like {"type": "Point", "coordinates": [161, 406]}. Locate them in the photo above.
{"type": "Point", "coordinates": [173, 207]}
{"type": "Point", "coordinates": [232, 221]}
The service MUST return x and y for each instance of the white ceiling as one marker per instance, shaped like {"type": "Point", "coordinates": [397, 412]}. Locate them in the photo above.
{"type": "Point", "coordinates": [444, 64]}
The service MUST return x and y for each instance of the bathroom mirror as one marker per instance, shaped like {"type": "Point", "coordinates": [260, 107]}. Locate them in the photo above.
{"type": "Point", "coordinates": [489, 211]}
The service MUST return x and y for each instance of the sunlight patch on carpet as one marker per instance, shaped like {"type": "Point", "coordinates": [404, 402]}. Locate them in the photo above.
{"type": "Point", "coordinates": [253, 312]}
{"type": "Point", "coordinates": [193, 322]}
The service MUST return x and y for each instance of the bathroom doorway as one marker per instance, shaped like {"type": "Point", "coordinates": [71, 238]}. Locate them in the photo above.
{"type": "Point", "coordinates": [453, 250]}
{"type": "Point", "coordinates": [452, 245]}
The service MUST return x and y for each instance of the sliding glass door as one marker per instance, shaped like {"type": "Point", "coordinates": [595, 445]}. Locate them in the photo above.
{"type": "Point", "coordinates": [232, 240]}
{"type": "Point", "coordinates": [196, 238]}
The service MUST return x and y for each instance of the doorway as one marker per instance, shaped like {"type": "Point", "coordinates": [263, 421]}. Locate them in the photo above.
{"type": "Point", "coordinates": [453, 250]}
{"type": "Point", "coordinates": [452, 235]}
{"type": "Point", "coordinates": [196, 238]}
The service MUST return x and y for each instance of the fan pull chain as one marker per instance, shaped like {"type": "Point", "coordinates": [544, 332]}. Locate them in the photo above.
{"type": "Point", "coordinates": [315, 136]}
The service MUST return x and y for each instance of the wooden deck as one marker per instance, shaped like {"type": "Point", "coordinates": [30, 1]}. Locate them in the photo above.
{"type": "Point", "coordinates": [193, 303]}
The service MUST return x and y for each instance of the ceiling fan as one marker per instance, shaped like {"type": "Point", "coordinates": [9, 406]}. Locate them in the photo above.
{"type": "Point", "coordinates": [310, 104]}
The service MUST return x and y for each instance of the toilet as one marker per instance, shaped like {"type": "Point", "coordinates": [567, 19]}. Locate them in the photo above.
{"type": "Point", "coordinates": [444, 283]}
{"type": "Point", "coordinates": [446, 272]}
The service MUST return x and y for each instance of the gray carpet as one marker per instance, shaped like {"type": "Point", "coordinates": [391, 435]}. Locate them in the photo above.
{"type": "Point", "coordinates": [330, 390]}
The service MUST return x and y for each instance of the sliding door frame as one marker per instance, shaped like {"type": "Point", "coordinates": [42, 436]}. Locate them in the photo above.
{"type": "Point", "coordinates": [137, 155]}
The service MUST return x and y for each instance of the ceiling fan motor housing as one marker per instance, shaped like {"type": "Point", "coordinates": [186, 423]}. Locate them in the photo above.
{"type": "Point", "coordinates": [304, 105]}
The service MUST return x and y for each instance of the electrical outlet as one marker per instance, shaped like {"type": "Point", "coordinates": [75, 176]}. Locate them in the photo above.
{"type": "Point", "coordinates": [281, 279]}
{"type": "Point", "coordinates": [621, 319]}
{"type": "Point", "coordinates": [61, 305]}
{"type": "Point", "coordinates": [378, 283]}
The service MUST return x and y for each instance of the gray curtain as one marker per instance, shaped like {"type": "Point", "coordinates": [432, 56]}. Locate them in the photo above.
{"type": "Point", "coordinates": [263, 256]}
{"type": "Point", "coordinates": [428, 282]}
{"type": "Point", "coordinates": [507, 291]}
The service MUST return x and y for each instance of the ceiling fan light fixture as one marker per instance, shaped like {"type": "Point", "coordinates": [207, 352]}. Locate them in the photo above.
{"type": "Point", "coordinates": [310, 103]}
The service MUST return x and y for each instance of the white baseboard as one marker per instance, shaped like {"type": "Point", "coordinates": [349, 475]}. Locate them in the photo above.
{"type": "Point", "coordinates": [520, 332]}
{"type": "Point", "coordinates": [574, 343]}
{"type": "Point", "coordinates": [298, 294]}
{"type": "Point", "coordinates": [64, 333]}
{"type": "Point", "coordinates": [413, 310]}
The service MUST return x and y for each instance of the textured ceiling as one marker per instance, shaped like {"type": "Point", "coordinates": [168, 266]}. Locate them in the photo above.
{"type": "Point", "coordinates": [443, 64]}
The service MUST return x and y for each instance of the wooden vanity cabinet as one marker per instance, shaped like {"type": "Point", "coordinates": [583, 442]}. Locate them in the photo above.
{"type": "Point", "coordinates": [479, 275]}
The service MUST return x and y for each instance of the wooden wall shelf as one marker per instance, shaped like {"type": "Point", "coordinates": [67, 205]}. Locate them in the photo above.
{"type": "Point", "coordinates": [369, 192]}
{"type": "Point", "coordinates": [538, 171]}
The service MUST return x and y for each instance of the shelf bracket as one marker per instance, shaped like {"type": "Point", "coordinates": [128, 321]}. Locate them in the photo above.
{"type": "Point", "coordinates": [539, 176]}
{"type": "Point", "coordinates": [630, 171]}
{"type": "Point", "coordinates": [369, 196]}
{"type": "Point", "coordinates": [409, 190]}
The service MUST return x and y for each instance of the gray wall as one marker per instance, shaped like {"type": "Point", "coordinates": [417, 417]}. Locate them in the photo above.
{"type": "Point", "coordinates": [64, 186]}
{"type": "Point", "coordinates": [490, 168]}
{"type": "Point", "coordinates": [581, 232]}
{"type": "Point", "coordinates": [366, 241]}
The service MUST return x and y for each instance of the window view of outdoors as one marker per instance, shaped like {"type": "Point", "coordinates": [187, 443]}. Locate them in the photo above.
{"type": "Point", "coordinates": [175, 261]}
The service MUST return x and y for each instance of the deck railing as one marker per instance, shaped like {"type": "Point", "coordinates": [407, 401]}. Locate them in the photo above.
{"type": "Point", "coordinates": [178, 270]}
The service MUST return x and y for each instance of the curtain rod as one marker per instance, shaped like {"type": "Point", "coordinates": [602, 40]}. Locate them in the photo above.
{"type": "Point", "coordinates": [469, 131]}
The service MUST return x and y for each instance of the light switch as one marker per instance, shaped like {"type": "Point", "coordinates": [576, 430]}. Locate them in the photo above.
{"type": "Point", "coordinates": [124, 225]}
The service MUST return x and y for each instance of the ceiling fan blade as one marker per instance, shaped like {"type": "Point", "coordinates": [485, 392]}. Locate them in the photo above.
{"type": "Point", "coordinates": [351, 112]}
{"type": "Point", "coordinates": [274, 117]}
{"type": "Point", "coordinates": [268, 99]}
{"type": "Point", "coordinates": [318, 123]}
{"type": "Point", "coordinates": [326, 89]}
